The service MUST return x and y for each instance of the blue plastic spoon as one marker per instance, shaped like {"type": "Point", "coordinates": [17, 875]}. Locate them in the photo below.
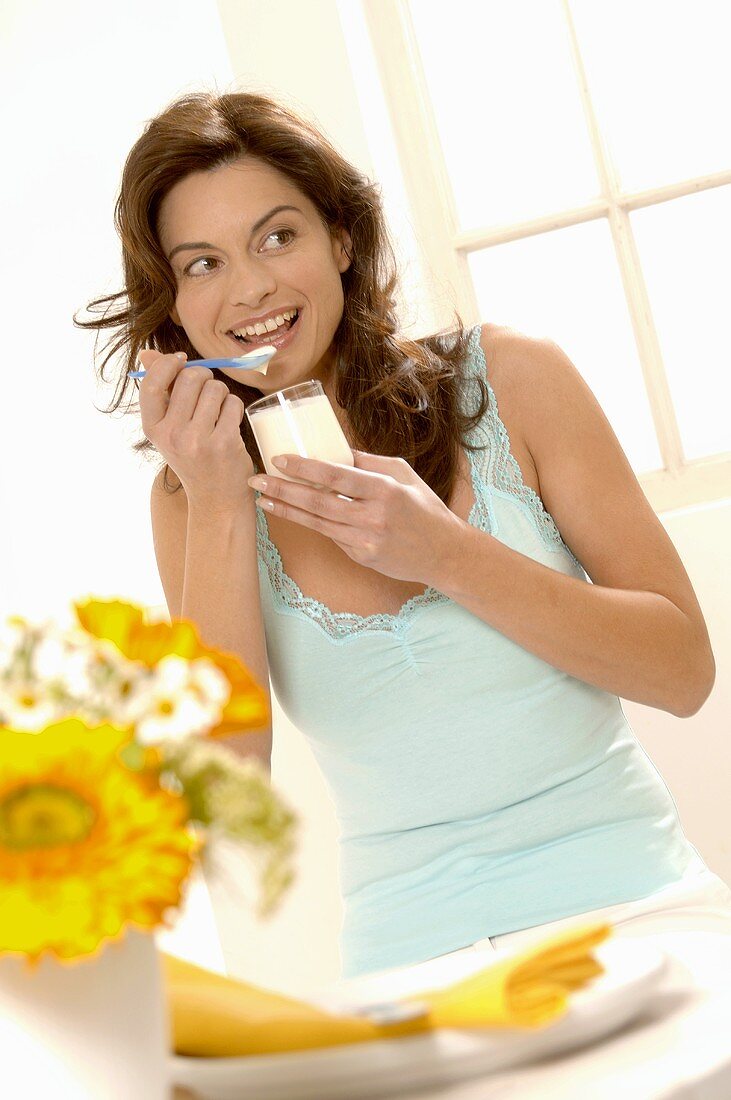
{"type": "Point", "coordinates": [253, 359]}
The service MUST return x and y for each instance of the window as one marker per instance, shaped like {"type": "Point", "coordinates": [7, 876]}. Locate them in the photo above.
{"type": "Point", "coordinates": [569, 171]}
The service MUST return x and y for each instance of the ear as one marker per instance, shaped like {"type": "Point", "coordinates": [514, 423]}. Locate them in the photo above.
{"type": "Point", "coordinates": [175, 317]}
{"type": "Point", "coordinates": [343, 250]}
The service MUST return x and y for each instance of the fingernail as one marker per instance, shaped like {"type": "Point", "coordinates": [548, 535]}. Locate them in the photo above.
{"type": "Point", "coordinates": [181, 355]}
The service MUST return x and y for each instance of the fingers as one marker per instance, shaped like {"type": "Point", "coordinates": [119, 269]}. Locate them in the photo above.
{"type": "Point", "coordinates": [339, 477]}
{"type": "Point", "coordinates": [162, 371]}
{"type": "Point", "coordinates": [196, 391]}
{"type": "Point", "coordinates": [159, 387]}
{"type": "Point", "coordinates": [231, 414]}
{"type": "Point", "coordinates": [212, 395]}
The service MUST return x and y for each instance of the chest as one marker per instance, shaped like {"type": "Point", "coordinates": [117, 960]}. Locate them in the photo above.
{"type": "Point", "coordinates": [324, 572]}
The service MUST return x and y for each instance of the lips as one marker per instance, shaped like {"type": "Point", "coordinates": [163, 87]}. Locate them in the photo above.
{"type": "Point", "coordinates": [277, 339]}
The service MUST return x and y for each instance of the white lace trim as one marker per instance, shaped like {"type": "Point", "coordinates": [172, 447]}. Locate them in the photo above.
{"type": "Point", "coordinates": [501, 468]}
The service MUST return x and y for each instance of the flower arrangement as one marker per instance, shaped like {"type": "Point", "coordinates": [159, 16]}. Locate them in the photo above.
{"type": "Point", "coordinates": [112, 785]}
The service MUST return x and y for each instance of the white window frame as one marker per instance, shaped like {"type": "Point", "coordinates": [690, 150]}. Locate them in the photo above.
{"type": "Point", "coordinates": [682, 482]}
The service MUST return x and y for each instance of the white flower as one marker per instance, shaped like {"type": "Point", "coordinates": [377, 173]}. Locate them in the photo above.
{"type": "Point", "coordinates": [119, 687]}
{"type": "Point", "coordinates": [180, 698]}
{"type": "Point", "coordinates": [61, 661]}
{"type": "Point", "coordinates": [26, 706]}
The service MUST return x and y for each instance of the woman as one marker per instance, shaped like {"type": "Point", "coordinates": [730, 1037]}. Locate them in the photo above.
{"type": "Point", "coordinates": [425, 624]}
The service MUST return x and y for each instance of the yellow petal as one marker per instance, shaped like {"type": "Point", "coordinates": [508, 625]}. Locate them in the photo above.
{"type": "Point", "coordinates": [68, 893]}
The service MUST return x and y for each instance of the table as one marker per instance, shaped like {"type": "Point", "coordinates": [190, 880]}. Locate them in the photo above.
{"type": "Point", "coordinates": [679, 1048]}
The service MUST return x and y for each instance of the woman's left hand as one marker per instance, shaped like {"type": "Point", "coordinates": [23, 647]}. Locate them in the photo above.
{"type": "Point", "coordinates": [386, 518]}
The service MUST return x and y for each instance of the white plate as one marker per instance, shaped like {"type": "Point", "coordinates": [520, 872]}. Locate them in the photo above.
{"type": "Point", "coordinates": [634, 968]}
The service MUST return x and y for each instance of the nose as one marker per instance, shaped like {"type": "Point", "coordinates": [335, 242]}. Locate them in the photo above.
{"type": "Point", "coordinates": [249, 281]}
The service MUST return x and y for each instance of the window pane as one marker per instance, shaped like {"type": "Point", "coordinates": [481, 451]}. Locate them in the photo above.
{"type": "Point", "coordinates": [684, 247]}
{"type": "Point", "coordinates": [660, 79]}
{"type": "Point", "coordinates": [565, 286]}
{"type": "Point", "coordinates": [507, 107]}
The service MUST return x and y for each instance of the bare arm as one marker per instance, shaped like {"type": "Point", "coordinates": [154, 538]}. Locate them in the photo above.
{"type": "Point", "coordinates": [638, 630]}
{"type": "Point", "coordinates": [207, 563]}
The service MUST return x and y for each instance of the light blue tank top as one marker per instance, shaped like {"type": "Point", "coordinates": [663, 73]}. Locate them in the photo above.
{"type": "Point", "coordinates": [478, 789]}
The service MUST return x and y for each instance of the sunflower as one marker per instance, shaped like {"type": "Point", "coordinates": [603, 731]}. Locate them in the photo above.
{"type": "Point", "coordinates": [87, 847]}
{"type": "Point", "coordinates": [123, 624]}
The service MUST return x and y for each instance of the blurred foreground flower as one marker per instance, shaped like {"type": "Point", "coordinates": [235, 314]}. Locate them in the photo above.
{"type": "Point", "coordinates": [110, 783]}
{"type": "Point", "coordinates": [85, 847]}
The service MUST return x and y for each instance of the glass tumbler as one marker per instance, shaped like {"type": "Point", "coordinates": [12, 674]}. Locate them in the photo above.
{"type": "Point", "coordinates": [298, 420]}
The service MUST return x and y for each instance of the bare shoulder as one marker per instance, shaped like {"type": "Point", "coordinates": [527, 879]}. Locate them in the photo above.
{"type": "Point", "coordinates": [534, 383]}
{"type": "Point", "coordinates": [507, 351]}
{"type": "Point", "coordinates": [543, 394]}
{"type": "Point", "coordinates": [541, 387]}
{"type": "Point", "coordinates": [509, 356]}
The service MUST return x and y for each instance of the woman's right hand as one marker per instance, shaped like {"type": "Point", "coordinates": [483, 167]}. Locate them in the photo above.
{"type": "Point", "coordinates": [194, 422]}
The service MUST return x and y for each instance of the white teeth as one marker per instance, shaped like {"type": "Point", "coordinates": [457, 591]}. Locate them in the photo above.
{"type": "Point", "coordinates": [265, 326]}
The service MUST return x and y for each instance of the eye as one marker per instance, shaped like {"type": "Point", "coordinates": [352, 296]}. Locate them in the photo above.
{"type": "Point", "coordinates": [288, 233]}
{"type": "Point", "coordinates": [201, 259]}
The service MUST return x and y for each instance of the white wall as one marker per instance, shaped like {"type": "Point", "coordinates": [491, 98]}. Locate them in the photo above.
{"type": "Point", "coordinates": [79, 81]}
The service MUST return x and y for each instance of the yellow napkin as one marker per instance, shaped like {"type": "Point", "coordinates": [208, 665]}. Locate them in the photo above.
{"type": "Point", "coordinates": [215, 1016]}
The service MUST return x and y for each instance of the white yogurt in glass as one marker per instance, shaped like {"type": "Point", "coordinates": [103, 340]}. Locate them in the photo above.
{"type": "Point", "coordinates": [298, 420]}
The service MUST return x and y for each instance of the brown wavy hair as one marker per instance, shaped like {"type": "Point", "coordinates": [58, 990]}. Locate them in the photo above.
{"type": "Point", "coordinates": [401, 396]}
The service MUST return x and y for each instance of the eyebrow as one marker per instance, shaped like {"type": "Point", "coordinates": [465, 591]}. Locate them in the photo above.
{"type": "Point", "coordinates": [255, 226]}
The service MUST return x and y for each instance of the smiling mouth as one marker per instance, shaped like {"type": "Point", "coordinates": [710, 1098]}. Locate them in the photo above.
{"type": "Point", "coordinates": [272, 337]}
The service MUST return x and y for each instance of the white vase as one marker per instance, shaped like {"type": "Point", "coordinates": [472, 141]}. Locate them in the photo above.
{"type": "Point", "coordinates": [94, 1030]}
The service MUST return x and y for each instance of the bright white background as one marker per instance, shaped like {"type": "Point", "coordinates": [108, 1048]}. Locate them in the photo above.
{"type": "Point", "coordinates": [78, 84]}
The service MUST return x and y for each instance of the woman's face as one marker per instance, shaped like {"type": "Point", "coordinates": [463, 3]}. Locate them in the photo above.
{"type": "Point", "coordinates": [240, 273]}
